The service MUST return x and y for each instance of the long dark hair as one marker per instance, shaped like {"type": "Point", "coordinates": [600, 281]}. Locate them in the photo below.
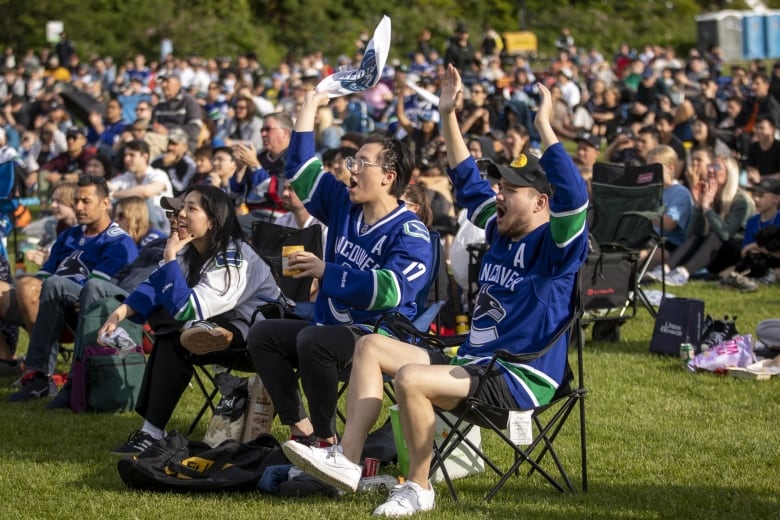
{"type": "Point", "coordinates": [225, 230]}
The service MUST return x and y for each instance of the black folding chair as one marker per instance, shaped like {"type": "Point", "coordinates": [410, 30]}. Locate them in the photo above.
{"type": "Point", "coordinates": [625, 202]}
{"type": "Point", "coordinates": [268, 239]}
{"type": "Point", "coordinates": [547, 420]}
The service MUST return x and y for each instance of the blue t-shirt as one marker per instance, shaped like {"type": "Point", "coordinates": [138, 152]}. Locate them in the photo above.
{"type": "Point", "coordinates": [678, 202]}
{"type": "Point", "coordinates": [755, 224]}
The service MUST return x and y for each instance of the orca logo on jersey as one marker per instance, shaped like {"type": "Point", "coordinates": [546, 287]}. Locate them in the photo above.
{"type": "Point", "coordinates": [230, 258]}
{"type": "Point", "coordinates": [73, 268]}
{"type": "Point", "coordinates": [415, 228]}
{"type": "Point", "coordinates": [487, 306]}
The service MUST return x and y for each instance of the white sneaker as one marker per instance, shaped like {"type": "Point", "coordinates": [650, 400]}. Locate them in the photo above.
{"type": "Point", "coordinates": [677, 277]}
{"type": "Point", "coordinates": [407, 499]}
{"type": "Point", "coordinates": [326, 464]}
{"type": "Point", "coordinates": [655, 274]}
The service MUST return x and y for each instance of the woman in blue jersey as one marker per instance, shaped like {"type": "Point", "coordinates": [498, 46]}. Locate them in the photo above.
{"type": "Point", "coordinates": [208, 272]}
{"type": "Point", "coordinates": [538, 241]}
{"type": "Point", "coordinates": [377, 259]}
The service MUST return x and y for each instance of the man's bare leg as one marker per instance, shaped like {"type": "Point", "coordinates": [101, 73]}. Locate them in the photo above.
{"type": "Point", "coordinates": [419, 388]}
{"type": "Point", "coordinates": [374, 355]}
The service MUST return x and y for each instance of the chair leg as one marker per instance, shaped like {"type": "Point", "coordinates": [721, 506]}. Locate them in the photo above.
{"type": "Point", "coordinates": [209, 395]}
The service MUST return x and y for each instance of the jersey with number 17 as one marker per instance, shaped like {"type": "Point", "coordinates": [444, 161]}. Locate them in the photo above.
{"type": "Point", "coordinates": [370, 269]}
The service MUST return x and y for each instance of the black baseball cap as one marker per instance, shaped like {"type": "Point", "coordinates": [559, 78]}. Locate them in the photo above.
{"type": "Point", "coordinates": [767, 185]}
{"type": "Point", "coordinates": [75, 131]}
{"type": "Point", "coordinates": [589, 139]}
{"type": "Point", "coordinates": [172, 203]}
{"type": "Point", "coordinates": [525, 170]}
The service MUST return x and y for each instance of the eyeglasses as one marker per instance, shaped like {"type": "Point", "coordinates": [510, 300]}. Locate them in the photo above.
{"type": "Point", "coordinates": [269, 128]}
{"type": "Point", "coordinates": [241, 107]}
{"type": "Point", "coordinates": [359, 164]}
{"type": "Point", "coordinates": [169, 214]}
{"type": "Point", "coordinates": [141, 109]}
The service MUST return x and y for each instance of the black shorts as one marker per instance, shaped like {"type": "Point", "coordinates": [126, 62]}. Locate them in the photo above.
{"type": "Point", "coordinates": [495, 391]}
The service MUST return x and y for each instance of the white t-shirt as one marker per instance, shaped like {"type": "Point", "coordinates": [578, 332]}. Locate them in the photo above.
{"type": "Point", "coordinates": [153, 175]}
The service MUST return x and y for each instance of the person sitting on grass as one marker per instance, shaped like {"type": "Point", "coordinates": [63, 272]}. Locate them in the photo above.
{"type": "Point", "coordinates": [717, 228]}
{"type": "Point", "coordinates": [209, 272]}
{"type": "Point", "coordinates": [677, 203]}
{"type": "Point", "coordinates": [537, 234]}
{"type": "Point", "coordinates": [758, 262]}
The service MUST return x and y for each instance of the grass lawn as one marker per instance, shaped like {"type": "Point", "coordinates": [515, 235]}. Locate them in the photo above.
{"type": "Point", "coordinates": [663, 443]}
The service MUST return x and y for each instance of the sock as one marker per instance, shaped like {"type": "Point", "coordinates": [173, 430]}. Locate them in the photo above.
{"type": "Point", "coordinates": [154, 431]}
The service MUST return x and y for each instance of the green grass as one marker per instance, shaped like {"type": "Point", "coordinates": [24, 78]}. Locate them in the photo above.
{"type": "Point", "coordinates": [662, 443]}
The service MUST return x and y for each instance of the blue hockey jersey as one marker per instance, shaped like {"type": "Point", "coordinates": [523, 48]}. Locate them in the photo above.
{"type": "Point", "coordinates": [369, 269]}
{"type": "Point", "coordinates": [78, 257]}
{"type": "Point", "coordinates": [526, 285]}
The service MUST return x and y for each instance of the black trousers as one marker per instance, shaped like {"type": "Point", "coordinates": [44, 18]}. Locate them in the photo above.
{"type": "Point", "coordinates": [169, 370]}
{"type": "Point", "coordinates": [698, 252]}
{"type": "Point", "coordinates": [283, 350]}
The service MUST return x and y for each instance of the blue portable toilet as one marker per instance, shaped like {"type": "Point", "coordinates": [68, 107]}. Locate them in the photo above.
{"type": "Point", "coordinates": [753, 42]}
{"type": "Point", "coordinates": [772, 33]}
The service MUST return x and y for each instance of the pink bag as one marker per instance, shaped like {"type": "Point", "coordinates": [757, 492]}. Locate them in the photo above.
{"type": "Point", "coordinates": [736, 352]}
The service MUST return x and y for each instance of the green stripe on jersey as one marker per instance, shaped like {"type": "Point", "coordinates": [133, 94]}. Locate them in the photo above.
{"type": "Point", "coordinates": [542, 388]}
{"type": "Point", "coordinates": [388, 294]}
{"type": "Point", "coordinates": [564, 227]}
{"type": "Point", "coordinates": [305, 178]}
{"type": "Point", "coordinates": [485, 212]}
{"type": "Point", "coordinates": [187, 312]}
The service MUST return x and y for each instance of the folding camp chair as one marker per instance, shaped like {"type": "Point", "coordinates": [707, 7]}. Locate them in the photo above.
{"type": "Point", "coordinates": [268, 239]}
{"type": "Point", "coordinates": [547, 420]}
{"type": "Point", "coordinates": [625, 202]}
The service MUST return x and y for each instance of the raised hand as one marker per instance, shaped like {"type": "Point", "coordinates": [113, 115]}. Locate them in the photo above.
{"type": "Point", "coordinates": [451, 97]}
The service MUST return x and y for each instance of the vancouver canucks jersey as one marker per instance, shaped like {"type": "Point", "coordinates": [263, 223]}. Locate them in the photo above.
{"type": "Point", "coordinates": [231, 281]}
{"type": "Point", "coordinates": [369, 269]}
{"type": "Point", "coordinates": [526, 285]}
{"type": "Point", "coordinates": [78, 257]}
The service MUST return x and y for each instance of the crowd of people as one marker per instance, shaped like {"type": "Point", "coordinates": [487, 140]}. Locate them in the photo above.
{"type": "Point", "coordinates": [154, 173]}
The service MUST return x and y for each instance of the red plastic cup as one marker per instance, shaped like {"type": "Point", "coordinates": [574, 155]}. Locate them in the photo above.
{"type": "Point", "coordinates": [370, 467]}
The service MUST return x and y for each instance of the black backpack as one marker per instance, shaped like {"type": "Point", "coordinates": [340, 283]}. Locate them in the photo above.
{"type": "Point", "coordinates": [178, 464]}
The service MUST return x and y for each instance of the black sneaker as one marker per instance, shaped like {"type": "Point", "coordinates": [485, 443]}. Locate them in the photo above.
{"type": "Point", "coordinates": [36, 387]}
{"type": "Point", "coordinates": [718, 331]}
{"type": "Point", "coordinates": [138, 443]}
{"type": "Point", "coordinates": [62, 399]}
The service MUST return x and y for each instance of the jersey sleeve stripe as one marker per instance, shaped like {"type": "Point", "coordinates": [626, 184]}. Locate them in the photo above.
{"type": "Point", "coordinates": [483, 213]}
{"type": "Point", "coordinates": [566, 226]}
{"type": "Point", "coordinates": [305, 179]}
{"type": "Point", "coordinates": [387, 292]}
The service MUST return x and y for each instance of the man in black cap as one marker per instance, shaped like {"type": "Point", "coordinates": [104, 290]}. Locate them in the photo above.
{"type": "Point", "coordinates": [538, 242]}
{"type": "Point", "coordinates": [178, 110]}
{"type": "Point", "coordinates": [460, 52]}
{"type": "Point", "coordinates": [68, 165]}
{"type": "Point", "coordinates": [588, 149]}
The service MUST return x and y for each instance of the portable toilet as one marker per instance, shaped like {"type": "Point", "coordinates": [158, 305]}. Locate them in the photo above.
{"type": "Point", "coordinates": [753, 41]}
{"type": "Point", "coordinates": [723, 29]}
{"type": "Point", "coordinates": [772, 33]}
